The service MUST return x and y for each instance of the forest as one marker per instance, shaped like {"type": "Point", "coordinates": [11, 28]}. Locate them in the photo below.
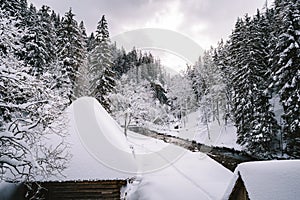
{"type": "Point", "coordinates": [47, 61]}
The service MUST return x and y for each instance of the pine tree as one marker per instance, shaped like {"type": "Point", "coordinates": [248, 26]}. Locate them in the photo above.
{"type": "Point", "coordinates": [70, 54]}
{"type": "Point", "coordinates": [39, 41]}
{"type": "Point", "coordinates": [264, 126]}
{"type": "Point", "coordinates": [119, 58]}
{"type": "Point", "coordinates": [82, 81]}
{"type": "Point", "coordinates": [215, 87]}
{"type": "Point", "coordinates": [14, 8]}
{"type": "Point", "coordinates": [91, 42]}
{"type": "Point", "coordinates": [286, 70]}
{"type": "Point", "coordinates": [102, 78]}
{"type": "Point", "coordinates": [55, 19]}
{"type": "Point", "coordinates": [256, 124]}
{"type": "Point", "coordinates": [198, 83]}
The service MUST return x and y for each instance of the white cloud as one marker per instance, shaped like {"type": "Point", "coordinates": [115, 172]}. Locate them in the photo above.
{"type": "Point", "coordinates": [168, 17]}
{"type": "Point", "coordinates": [205, 21]}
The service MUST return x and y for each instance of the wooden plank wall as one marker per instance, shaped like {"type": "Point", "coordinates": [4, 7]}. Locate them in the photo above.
{"type": "Point", "coordinates": [108, 189]}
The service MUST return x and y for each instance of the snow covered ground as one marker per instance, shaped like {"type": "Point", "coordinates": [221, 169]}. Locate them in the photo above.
{"type": "Point", "coordinates": [214, 134]}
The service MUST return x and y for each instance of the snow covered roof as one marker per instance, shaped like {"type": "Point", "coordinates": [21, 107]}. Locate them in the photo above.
{"type": "Point", "coordinates": [189, 175]}
{"type": "Point", "coordinates": [99, 148]}
{"type": "Point", "coordinates": [277, 179]}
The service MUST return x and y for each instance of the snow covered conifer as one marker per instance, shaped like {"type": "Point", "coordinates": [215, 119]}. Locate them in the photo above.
{"type": "Point", "coordinates": [70, 53]}
{"type": "Point", "coordinates": [286, 70]}
{"type": "Point", "coordinates": [40, 41]}
{"type": "Point", "coordinates": [255, 121]}
{"type": "Point", "coordinates": [82, 80]}
{"type": "Point", "coordinates": [102, 78]}
{"type": "Point", "coordinates": [13, 8]}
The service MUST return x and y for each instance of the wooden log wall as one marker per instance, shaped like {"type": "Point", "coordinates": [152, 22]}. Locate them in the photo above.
{"type": "Point", "coordinates": [108, 189]}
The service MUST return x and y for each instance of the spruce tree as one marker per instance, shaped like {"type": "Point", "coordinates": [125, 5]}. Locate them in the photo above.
{"type": "Point", "coordinates": [220, 58]}
{"type": "Point", "coordinates": [70, 51]}
{"type": "Point", "coordinates": [14, 8]}
{"type": "Point", "coordinates": [102, 78]}
{"type": "Point", "coordinates": [249, 53]}
{"type": "Point", "coordinates": [82, 81]}
{"type": "Point", "coordinates": [39, 42]}
{"type": "Point", "coordinates": [119, 61]}
{"type": "Point", "coordinates": [286, 70]}
{"type": "Point", "coordinates": [246, 83]}
{"type": "Point", "coordinates": [241, 111]}
{"type": "Point", "coordinates": [264, 126]}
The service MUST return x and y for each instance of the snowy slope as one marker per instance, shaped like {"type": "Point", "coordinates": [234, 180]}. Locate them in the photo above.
{"type": "Point", "coordinates": [276, 180]}
{"type": "Point", "coordinates": [98, 146]}
{"type": "Point", "coordinates": [214, 134]}
{"type": "Point", "coordinates": [171, 172]}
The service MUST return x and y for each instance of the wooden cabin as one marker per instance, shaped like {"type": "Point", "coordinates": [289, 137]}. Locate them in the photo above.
{"type": "Point", "coordinates": [56, 190]}
{"type": "Point", "coordinates": [239, 191]}
{"type": "Point", "coordinates": [102, 189]}
{"type": "Point", "coordinates": [261, 180]}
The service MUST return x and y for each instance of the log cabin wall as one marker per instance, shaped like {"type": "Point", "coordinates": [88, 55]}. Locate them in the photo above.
{"type": "Point", "coordinates": [109, 189]}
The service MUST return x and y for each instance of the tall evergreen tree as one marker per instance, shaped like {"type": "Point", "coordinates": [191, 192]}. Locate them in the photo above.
{"type": "Point", "coordinates": [40, 41]}
{"type": "Point", "coordinates": [220, 58]}
{"type": "Point", "coordinates": [255, 121]}
{"type": "Point", "coordinates": [91, 42]}
{"type": "Point", "coordinates": [82, 81]}
{"type": "Point", "coordinates": [70, 52]}
{"type": "Point", "coordinates": [242, 83]}
{"type": "Point", "coordinates": [264, 126]}
{"type": "Point", "coordinates": [102, 80]}
{"type": "Point", "coordinates": [286, 69]}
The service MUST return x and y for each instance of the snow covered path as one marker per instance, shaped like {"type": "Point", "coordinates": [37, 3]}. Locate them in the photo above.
{"type": "Point", "coordinates": [164, 175]}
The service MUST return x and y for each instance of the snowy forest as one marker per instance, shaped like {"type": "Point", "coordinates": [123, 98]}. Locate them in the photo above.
{"type": "Point", "coordinates": [47, 61]}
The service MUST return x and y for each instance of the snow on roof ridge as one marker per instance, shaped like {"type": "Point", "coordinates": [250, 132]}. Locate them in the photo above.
{"type": "Point", "coordinates": [99, 149]}
{"type": "Point", "coordinates": [273, 179]}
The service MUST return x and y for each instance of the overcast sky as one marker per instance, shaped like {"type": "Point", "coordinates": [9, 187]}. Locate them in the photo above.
{"type": "Point", "coordinates": [204, 21]}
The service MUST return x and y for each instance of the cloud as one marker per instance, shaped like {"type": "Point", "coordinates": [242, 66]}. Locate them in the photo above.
{"type": "Point", "coordinates": [204, 21]}
{"type": "Point", "coordinates": [211, 20]}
